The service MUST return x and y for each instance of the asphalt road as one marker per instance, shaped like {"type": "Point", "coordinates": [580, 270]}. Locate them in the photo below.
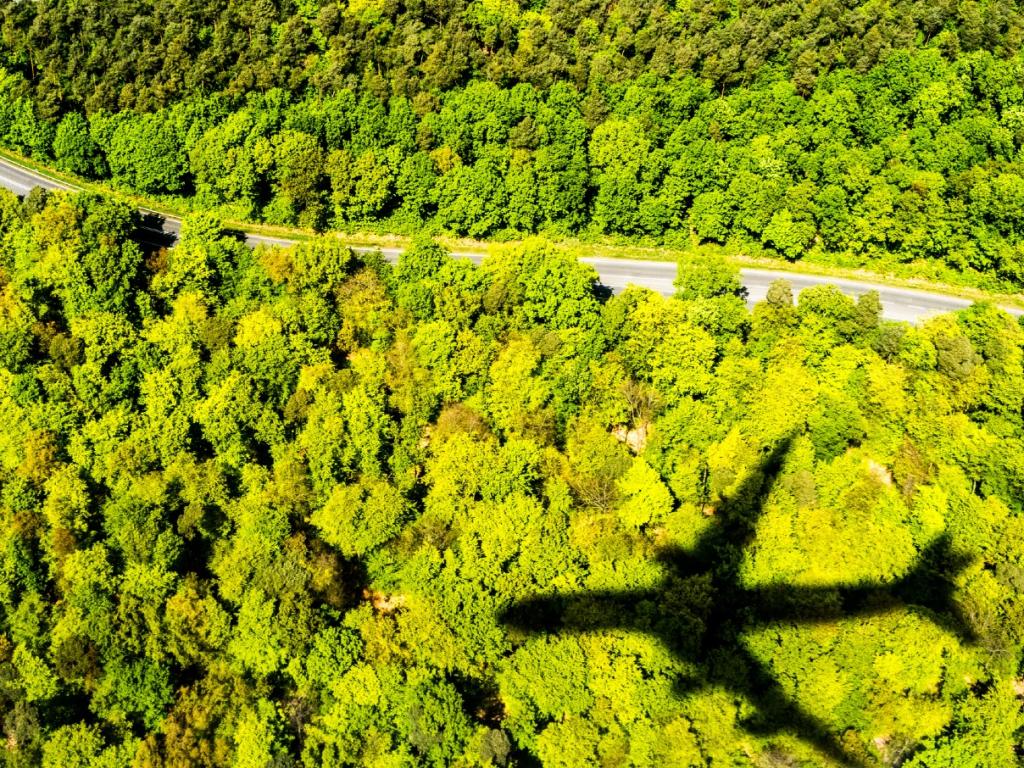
{"type": "Point", "coordinates": [897, 303]}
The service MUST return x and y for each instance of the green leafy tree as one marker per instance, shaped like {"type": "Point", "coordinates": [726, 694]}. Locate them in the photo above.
{"type": "Point", "coordinates": [145, 153]}
{"type": "Point", "coordinates": [298, 173]}
{"type": "Point", "coordinates": [472, 200]}
{"type": "Point", "coordinates": [74, 149]}
{"type": "Point", "coordinates": [707, 277]}
{"type": "Point", "coordinates": [359, 518]}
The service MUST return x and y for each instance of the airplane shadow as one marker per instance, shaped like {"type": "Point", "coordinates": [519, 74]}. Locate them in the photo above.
{"type": "Point", "coordinates": [701, 608]}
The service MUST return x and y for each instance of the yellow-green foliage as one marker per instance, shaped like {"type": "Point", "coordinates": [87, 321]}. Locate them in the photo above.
{"type": "Point", "coordinates": [299, 508]}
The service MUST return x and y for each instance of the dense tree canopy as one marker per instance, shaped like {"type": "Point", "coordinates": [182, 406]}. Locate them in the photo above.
{"type": "Point", "coordinates": [154, 53]}
{"type": "Point", "coordinates": [280, 508]}
{"type": "Point", "coordinates": [886, 133]}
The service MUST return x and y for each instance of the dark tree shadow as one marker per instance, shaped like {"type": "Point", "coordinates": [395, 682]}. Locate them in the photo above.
{"type": "Point", "coordinates": [701, 608]}
{"type": "Point", "coordinates": [152, 232]}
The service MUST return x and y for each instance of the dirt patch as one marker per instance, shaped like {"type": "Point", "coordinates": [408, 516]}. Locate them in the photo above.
{"type": "Point", "coordinates": [880, 472]}
{"type": "Point", "coordinates": [635, 439]}
{"type": "Point", "coordinates": [384, 603]}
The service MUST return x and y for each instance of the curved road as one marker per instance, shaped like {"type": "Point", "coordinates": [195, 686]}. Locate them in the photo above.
{"type": "Point", "coordinates": [897, 303]}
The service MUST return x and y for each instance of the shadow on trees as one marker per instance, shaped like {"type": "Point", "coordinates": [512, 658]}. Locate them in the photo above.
{"type": "Point", "coordinates": [153, 233]}
{"type": "Point", "coordinates": [701, 608]}
{"type": "Point", "coordinates": [234, 234]}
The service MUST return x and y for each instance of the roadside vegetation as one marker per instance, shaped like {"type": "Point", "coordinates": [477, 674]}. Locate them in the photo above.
{"type": "Point", "coordinates": [295, 507]}
{"type": "Point", "coordinates": [885, 135]}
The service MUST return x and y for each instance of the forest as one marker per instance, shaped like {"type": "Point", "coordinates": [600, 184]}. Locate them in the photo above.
{"type": "Point", "coordinates": [884, 134]}
{"type": "Point", "coordinates": [301, 507]}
